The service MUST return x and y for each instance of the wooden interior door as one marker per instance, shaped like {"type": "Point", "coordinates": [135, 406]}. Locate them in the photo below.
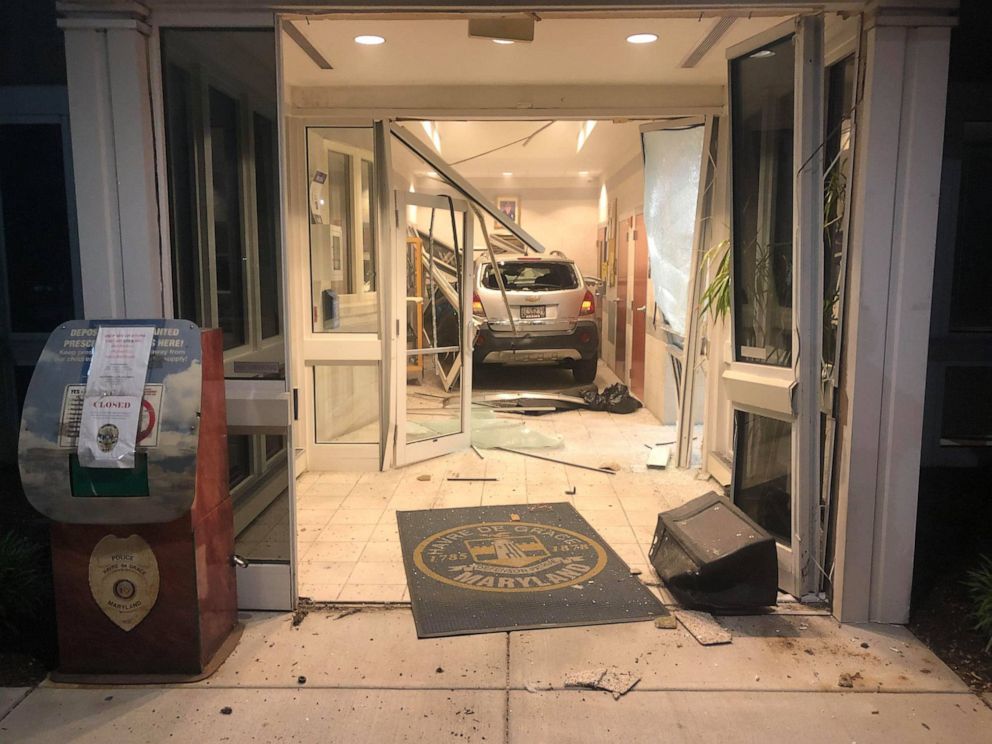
{"type": "Point", "coordinates": [638, 307]}
{"type": "Point", "coordinates": [623, 254]}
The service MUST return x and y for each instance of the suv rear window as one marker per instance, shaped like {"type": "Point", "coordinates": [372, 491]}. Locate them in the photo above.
{"type": "Point", "coordinates": [531, 276]}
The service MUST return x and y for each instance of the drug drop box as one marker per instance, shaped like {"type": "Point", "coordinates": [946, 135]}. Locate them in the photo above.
{"type": "Point", "coordinates": [142, 541]}
{"type": "Point", "coordinates": [713, 557]}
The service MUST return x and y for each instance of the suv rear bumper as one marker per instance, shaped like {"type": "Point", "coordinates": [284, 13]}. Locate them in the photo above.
{"type": "Point", "coordinates": [582, 342]}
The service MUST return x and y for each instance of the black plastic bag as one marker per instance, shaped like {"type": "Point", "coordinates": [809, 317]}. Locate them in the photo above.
{"type": "Point", "coordinates": [614, 399]}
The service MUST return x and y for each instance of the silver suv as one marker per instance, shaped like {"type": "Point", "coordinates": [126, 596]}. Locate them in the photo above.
{"type": "Point", "coordinates": [552, 312]}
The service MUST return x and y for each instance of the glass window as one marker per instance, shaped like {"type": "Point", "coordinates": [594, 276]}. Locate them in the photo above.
{"type": "Point", "coordinates": [181, 169]}
{"type": "Point", "coordinates": [763, 472]}
{"type": "Point", "coordinates": [341, 194]}
{"type": "Point", "coordinates": [267, 221]}
{"type": "Point", "coordinates": [762, 92]}
{"type": "Point", "coordinates": [368, 226]}
{"type": "Point", "coordinates": [229, 253]}
{"type": "Point", "coordinates": [238, 458]}
{"type": "Point", "coordinates": [837, 166]}
{"type": "Point", "coordinates": [35, 241]}
{"type": "Point", "coordinates": [346, 403]}
{"type": "Point", "coordinates": [967, 415]}
{"type": "Point", "coordinates": [531, 276]}
{"type": "Point", "coordinates": [971, 301]}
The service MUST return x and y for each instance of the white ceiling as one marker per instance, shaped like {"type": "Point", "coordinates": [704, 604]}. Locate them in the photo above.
{"type": "Point", "coordinates": [564, 51]}
{"type": "Point", "coordinates": [550, 156]}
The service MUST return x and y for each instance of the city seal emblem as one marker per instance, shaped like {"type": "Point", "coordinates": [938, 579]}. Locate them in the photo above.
{"type": "Point", "coordinates": [510, 557]}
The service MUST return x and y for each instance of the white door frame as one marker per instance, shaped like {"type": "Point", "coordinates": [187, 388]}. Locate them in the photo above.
{"type": "Point", "coordinates": [791, 394]}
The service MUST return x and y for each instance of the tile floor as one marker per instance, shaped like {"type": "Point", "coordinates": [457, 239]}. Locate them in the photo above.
{"type": "Point", "coordinates": [346, 522]}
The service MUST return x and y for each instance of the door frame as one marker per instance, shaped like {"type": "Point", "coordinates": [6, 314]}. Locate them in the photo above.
{"type": "Point", "coordinates": [410, 452]}
{"type": "Point", "coordinates": [792, 393]}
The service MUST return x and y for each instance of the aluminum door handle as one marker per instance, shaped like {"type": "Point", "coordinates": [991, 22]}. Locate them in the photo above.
{"type": "Point", "coordinates": [642, 309]}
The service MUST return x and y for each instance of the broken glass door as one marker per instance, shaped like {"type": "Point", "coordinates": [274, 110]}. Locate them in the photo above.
{"type": "Point", "coordinates": [776, 297]}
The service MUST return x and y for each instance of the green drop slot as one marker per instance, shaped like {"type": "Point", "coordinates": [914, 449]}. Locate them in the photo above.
{"type": "Point", "coordinates": [112, 482]}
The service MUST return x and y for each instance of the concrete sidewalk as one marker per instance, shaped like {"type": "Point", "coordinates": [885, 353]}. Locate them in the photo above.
{"type": "Point", "coordinates": [368, 679]}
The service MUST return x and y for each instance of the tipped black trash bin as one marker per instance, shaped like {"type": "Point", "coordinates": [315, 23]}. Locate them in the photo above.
{"type": "Point", "coordinates": [713, 557]}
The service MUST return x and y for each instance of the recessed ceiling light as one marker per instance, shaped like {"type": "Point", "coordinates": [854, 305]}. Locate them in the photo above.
{"type": "Point", "coordinates": [583, 174]}
{"type": "Point", "coordinates": [507, 173]}
{"type": "Point", "coordinates": [502, 41]}
{"type": "Point", "coordinates": [762, 54]}
{"type": "Point", "coordinates": [369, 40]}
{"type": "Point", "coordinates": [642, 38]}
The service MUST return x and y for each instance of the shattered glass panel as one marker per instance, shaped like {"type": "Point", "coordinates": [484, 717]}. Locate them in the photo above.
{"type": "Point", "coordinates": [672, 160]}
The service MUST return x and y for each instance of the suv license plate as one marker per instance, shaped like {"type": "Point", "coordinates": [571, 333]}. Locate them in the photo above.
{"type": "Point", "coordinates": [533, 311]}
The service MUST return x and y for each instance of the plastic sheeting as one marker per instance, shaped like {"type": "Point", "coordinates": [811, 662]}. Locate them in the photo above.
{"type": "Point", "coordinates": [672, 159]}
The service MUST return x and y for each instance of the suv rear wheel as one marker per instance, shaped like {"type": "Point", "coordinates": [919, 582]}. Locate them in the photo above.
{"type": "Point", "coordinates": [584, 370]}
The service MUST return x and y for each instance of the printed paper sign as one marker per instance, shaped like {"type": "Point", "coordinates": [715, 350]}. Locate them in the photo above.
{"type": "Point", "coordinates": [112, 404]}
{"type": "Point", "coordinates": [148, 423]}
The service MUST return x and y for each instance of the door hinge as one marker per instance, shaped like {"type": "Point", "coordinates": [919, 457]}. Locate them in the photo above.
{"type": "Point", "coordinates": [296, 404]}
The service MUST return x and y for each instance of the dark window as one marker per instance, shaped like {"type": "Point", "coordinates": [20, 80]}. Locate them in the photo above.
{"type": "Point", "coordinates": [273, 446]}
{"type": "Point", "coordinates": [238, 458]}
{"type": "Point", "coordinates": [967, 412]}
{"type": "Point", "coordinates": [228, 240]}
{"type": "Point", "coordinates": [35, 241]}
{"type": "Point", "coordinates": [762, 92]}
{"type": "Point", "coordinates": [267, 209]}
{"type": "Point", "coordinates": [180, 158]}
{"type": "Point", "coordinates": [971, 300]}
{"type": "Point", "coordinates": [531, 276]}
{"type": "Point", "coordinates": [763, 472]}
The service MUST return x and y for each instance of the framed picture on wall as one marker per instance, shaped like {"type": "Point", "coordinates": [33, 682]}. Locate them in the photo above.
{"type": "Point", "coordinates": [510, 206]}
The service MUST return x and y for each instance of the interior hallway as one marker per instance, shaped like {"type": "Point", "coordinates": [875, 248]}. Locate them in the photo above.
{"type": "Point", "coordinates": [346, 522]}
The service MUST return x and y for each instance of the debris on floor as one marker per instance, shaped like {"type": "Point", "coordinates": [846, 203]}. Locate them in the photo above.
{"type": "Point", "coordinates": [612, 680]}
{"type": "Point", "coordinates": [476, 451]}
{"type": "Point", "coordinates": [470, 480]}
{"type": "Point", "coordinates": [600, 469]}
{"type": "Point", "coordinates": [299, 616]}
{"type": "Point", "coordinates": [425, 477]}
{"type": "Point", "coordinates": [570, 491]}
{"type": "Point", "coordinates": [226, 710]}
{"type": "Point", "coordinates": [615, 399]}
{"type": "Point", "coordinates": [534, 403]}
{"type": "Point", "coordinates": [665, 622]}
{"type": "Point", "coordinates": [349, 611]}
{"type": "Point", "coordinates": [703, 627]}
{"type": "Point", "coordinates": [847, 680]}
{"type": "Point", "coordinates": [659, 456]}
{"type": "Point", "coordinates": [301, 680]}
{"type": "Point", "coordinates": [610, 467]}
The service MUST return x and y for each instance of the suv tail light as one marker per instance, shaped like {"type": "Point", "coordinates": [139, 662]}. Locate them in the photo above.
{"type": "Point", "coordinates": [477, 309]}
{"type": "Point", "coordinates": [588, 306]}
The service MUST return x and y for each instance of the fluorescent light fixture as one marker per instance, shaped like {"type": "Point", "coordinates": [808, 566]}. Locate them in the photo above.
{"type": "Point", "coordinates": [432, 174]}
{"type": "Point", "coordinates": [502, 41]}
{"type": "Point", "coordinates": [762, 54]}
{"type": "Point", "coordinates": [584, 131]}
{"type": "Point", "coordinates": [369, 40]}
{"type": "Point", "coordinates": [642, 38]}
{"type": "Point", "coordinates": [507, 173]}
{"type": "Point", "coordinates": [583, 174]}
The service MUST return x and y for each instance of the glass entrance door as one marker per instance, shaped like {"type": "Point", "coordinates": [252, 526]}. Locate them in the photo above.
{"type": "Point", "coordinates": [776, 184]}
{"type": "Point", "coordinates": [434, 307]}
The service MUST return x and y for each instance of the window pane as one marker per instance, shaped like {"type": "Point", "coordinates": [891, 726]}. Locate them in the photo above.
{"type": "Point", "coordinates": [267, 212]}
{"type": "Point", "coordinates": [238, 458]}
{"type": "Point", "coordinates": [762, 118]}
{"type": "Point", "coordinates": [763, 472]}
{"type": "Point", "coordinates": [35, 227]}
{"type": "Point", "coordinates": [228, 240]}
{"type": "Point", "coordinates": [342, 242]}
{"type": "Point", "coordinates": [971, 300]}
{"type": "Point", "coordinates": [346, 403]}
{"type": "Point", "coordinates": [273, 446]}
{"type": "Point", "coordinates": [837, 159]}
{"type": "Point", "coordinates": [967, 414]}
{"type": "Point", "coordinates": [181, 167]}
{"type": "Point", "coordinates": [368, 226]}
